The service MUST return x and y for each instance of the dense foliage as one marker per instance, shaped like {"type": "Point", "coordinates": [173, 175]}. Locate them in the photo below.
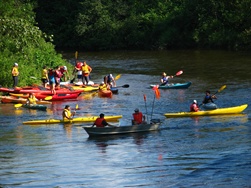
{"type": "Point", "coordinates": [23, 42]}
{"type": "Point", "coordinates": [144, 24]}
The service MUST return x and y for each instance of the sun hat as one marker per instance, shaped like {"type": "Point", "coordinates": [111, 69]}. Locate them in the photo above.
{"type": "Point", "coordinates": [15, 64]}
{"type": "Point", "coordinates": [65, 68]}
{"type": "Point", "coordinates": [136, 110]}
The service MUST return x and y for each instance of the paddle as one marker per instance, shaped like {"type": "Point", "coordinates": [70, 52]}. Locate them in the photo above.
{"type": "Point", "coordinates": [48, 98]}
{"type": "Point", "coordinates": [18, 105]}
{"type": "Point", "coordinates": [76, 107]}
{"type": "Point", "coordinates": [124, 86]}
{"type": "Point", "coordinates": [117, 77]}
{"type": "Point", "coordinates": [219, 90]}
{"type": "Point", "coordinates": [177, 74]}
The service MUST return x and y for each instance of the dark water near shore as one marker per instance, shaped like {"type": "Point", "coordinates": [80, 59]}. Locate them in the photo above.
{"type": "Point", "coordinates": [185, 152]}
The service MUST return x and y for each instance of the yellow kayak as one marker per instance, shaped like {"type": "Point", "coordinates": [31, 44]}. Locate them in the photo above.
{"type": "Point", "coordinates": [218, 111]}
{"type": "Point", "coordinates": [74, 120]}
{"type": "Point", "coordinates": [85, 88]}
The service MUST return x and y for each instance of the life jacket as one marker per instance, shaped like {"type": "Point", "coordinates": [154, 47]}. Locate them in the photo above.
{"type": "Point", "coordinates": [98, 122]}
{"type": "Point", "coordinates": [103, 87]}
{"type": "Point", "coordinates": [138, 117]}
{"type": "Point", "coordinates": [208, 99]}
{"type": "Point", "coordinates": [85, 69]}
{"type": "Point", "coordinates": [194, 108]}
{"type": "Point", "coordinates": [79, 65]}
{"type": "Point", "coordinates": [165, 79]}
{"type": "Point", "coordinates": [68, 112]}
{"type": "Point", "coordinates": [32, 100]}
{"type": "Point", "coordinates": [44, 73]}
{"type": "Point", "coordinates": [15, 71]}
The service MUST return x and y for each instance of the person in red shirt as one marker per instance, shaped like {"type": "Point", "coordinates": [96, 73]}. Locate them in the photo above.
{"type": "Point", "coordinates": [101, 122]}
{"type": "Point", "coordinates": [194, 107]}
{"type": "Point", "coordinates": [78, 69]}
{"type": "Point", "coordinates": [138, 117]}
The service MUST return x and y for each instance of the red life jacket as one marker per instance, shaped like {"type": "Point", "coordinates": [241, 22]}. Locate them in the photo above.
{"type": "Point", "coordinates": [138, 117]}
{"type": "Point", "coordinates": [98, 122]}
{"type": "Point", "coordinates": [194, 108]}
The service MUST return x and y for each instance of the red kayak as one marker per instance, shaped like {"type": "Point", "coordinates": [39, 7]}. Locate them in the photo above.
{"type": "Point", "coordinates": [107, 93]}
{"type": "Point", "coordinates": [57, 97]}
{"type": "Point", "coordinates": [41, 90]}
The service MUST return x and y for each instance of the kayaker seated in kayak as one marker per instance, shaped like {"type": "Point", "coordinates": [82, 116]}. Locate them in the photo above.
{"type": "Point", "coordinates": [208, 98]}
{"type": "Point", "coordinates": [103, 87]}
{"type": "Point", "coordinates": [67, 115]}
{"type": "Point", "coordinates": [109, 80]}
{"type": "Point", "coordinates": [164, 79]}
{"type": "Point", "coordinates": [194, 107]}
{"type": "Point", "coordinates": [138, 117]}
{"type": "Point", "coordinates": [31, 99]}
{"type": "Point", "coordinates": [101, 122]}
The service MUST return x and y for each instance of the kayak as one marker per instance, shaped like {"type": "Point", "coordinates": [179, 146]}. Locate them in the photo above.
{"type": "Point", "coordinates": [12, 99]}
{"type": "Point", "coordinates": [173, 86]}
{"type": "Point", "coordinates": [106, 93]}
{"type": "Point", "coordinates": [86, 88]}
{"type": "Point", "coordinates": [57, 97]}
{"type": "Point", "coordinates": [35, 107]}
{"type": "Point", "coordinates": [74, 120]}
{"type": "Point", "coordinates": [218, 111]}
{"type": "Point", "coordinates": [42, 90]}
{"type": "Point", "coordinates": [114, 90]}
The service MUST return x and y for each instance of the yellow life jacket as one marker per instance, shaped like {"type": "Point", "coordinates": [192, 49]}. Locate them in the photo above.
{"type": "Point", "coordinates": [15, 71]}
{"type": "Point", "coordinates": [103, 87]}
{"type": "Point", "coordinates": [32, 100]}
{"type": "Point", "coordinates": [44, 74]}
{"type": "Point", "coordinates": [85, 69]}
{"type": "Point", "coordinates": [68, 112]}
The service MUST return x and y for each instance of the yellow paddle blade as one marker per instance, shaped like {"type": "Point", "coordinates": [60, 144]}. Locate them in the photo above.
{"type": "Point", "coordinates": [48, 98]}
{"type": "Point", "coordinates": [222, 88]}
{"type": "Point", "coordinates": [118, 77]}
{"type": "Point", "coordinates": [18, 105]}
{"type": "Point", "coordinates": [76, 106]}
{"type": "Point", "coordinates": [76, 55]}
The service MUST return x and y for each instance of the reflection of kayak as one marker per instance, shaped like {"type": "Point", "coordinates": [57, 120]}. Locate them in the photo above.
{"type": "Point", "coordinates": [74, 120]}
{"type": "Point", "coordinates": [35, 107]}
{"type": "Point", "coordinates": [219, 111]}
{"type": "Point", "coordinates": [174, 86]}
{"type": "Point", "coordinates": [11, 99]}
{"type": "Point", "coordinates": [99, 131]}
{"type": "Point", "coordinates": [106, 93]}
{"type": "Point", "coordinates": [209, 106]}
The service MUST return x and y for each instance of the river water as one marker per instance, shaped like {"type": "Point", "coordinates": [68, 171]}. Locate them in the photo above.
{"type": "Point", "coordinates": [185, 152]}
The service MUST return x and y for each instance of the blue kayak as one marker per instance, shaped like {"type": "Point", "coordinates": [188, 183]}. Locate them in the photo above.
{"type": "Point", "coordinates": [173, 86]}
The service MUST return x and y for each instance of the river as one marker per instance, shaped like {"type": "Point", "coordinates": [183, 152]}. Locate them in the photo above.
{"type": "Point", "coordinates": [186, 152]}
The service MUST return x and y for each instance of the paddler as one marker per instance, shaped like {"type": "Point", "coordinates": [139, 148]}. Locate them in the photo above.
{"type": "Point", "coordinates": [31, 99]}
{"type": "Point", "coordinates": [103, 87]}
{"type": "Point", "coordinates": [138, 117]}
{"type": "Point", "coordinates": [194, 106]}
{"type": "Point", "coordinates": [101, 122]}
{"type": "Point", "coordinates": [164, 79]}
{"type": "Point", "coordinates": [67, 115]}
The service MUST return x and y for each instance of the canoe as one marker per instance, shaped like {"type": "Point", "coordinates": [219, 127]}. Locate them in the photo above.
{"type": "Point", "coordinates": [173, 86]}
{"type": "Point", "coordinates": [209, 106]}
{"type": "Point", "coordinates": [15, 100]}
{"type": "Point", "coordinates": [74, 120]}
{"type": "Point", "coordinates": [101, 131]}
{"type": "Point", "coordinates": [218, 111]}
{"type": "Point", "coordinates": [107, 93]}
{"type": "Point", "coordinates": [57, 97]}
{"type": "Point", "coordinates": [86, 88]}
{"type": "Point", "coordinates": [35, 107]}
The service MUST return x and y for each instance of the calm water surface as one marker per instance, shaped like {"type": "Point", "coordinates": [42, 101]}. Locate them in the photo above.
{"type": "Point", "coordinates": [185, 152]}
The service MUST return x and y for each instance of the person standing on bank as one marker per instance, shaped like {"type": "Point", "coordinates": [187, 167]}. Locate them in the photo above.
{"type": "Point", "coordinates": [15, 74]}
{"type": "Point", "coordinates": [101, 122]}
{"type": "Point", "coordinates": [86, 70]}
{"type": "Point", "coordinates": [45, 78]}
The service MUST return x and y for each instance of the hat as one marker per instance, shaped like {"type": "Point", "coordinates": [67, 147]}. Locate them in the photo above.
{"type": "Point", "coordinates": [65, 68]}
{"type": "Point", "coordinates": [194, 101]}
{"type": "Point", "coordinates": [15, 64]}
{"type": "Point", "coordinates": [136, 110]}
{"type": "Point", "coordinates": [102, 82]}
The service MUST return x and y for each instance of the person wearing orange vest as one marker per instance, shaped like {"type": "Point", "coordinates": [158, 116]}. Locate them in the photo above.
{"type": "Point", "coordinates": [67, 115]}
{"type": "Point", "coordinates": [15, 74]}
{"type": "Point", "coordinates": [194, 107]}
{"type": "Point", "coordinates": [86, 70]}
{"type": "Point", "coordinates": [101, 122]}
{"type": "Point", "coordinates": [138, 117]}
